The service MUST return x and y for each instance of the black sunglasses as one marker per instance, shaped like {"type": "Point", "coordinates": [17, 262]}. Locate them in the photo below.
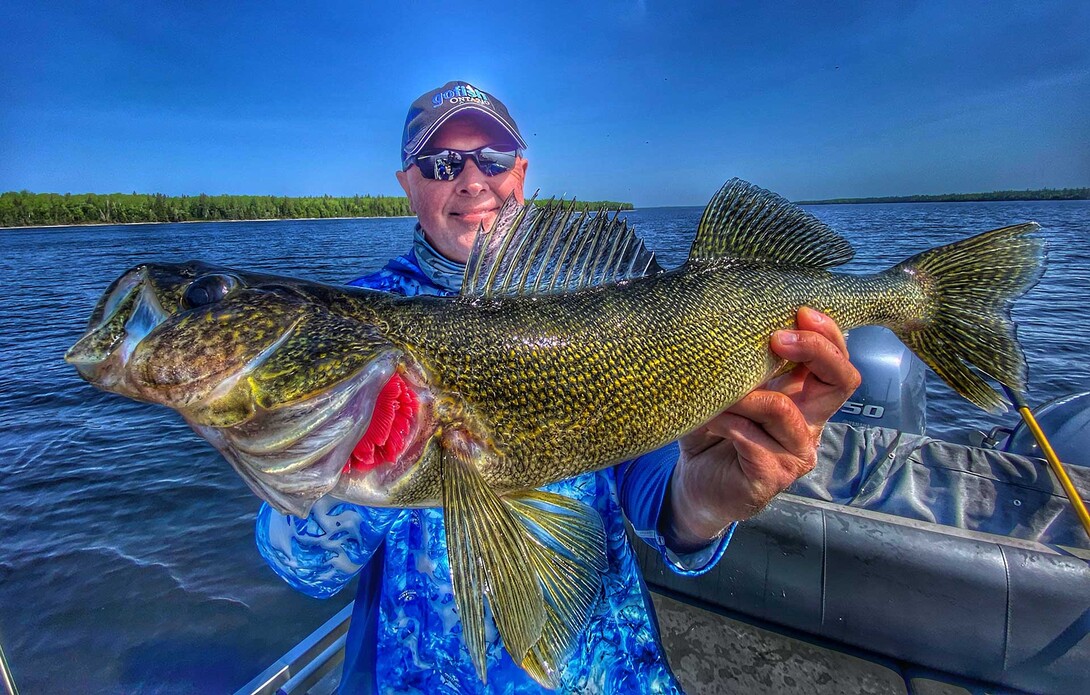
{"type": "Point", "coordinates": [446, 165]}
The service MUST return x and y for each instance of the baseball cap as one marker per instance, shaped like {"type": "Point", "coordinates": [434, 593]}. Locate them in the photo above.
{"type": "Point", "coordinates": [434, 108]}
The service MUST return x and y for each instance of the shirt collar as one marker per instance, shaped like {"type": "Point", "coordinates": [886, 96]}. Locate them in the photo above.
{"type": "Point", "coordinates": [442, 271]}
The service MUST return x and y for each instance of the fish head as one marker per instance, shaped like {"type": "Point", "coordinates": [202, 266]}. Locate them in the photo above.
{"type": "Point", "coordinates": [298, 397]}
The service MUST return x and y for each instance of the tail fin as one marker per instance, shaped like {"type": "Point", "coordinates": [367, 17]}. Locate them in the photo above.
{"type": "Point", "coordinates": [969, 287]}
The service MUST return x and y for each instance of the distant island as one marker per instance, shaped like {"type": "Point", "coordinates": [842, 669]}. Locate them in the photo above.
{"type": "Point", "coordinates": [25, 209]}
{"type": "Point", "coordinates": [1038, 194]}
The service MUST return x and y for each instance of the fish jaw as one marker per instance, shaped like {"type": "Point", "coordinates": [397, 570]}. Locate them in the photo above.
{"type": "Point", "coordinates": [199, 362]}
{"type": "Point", "coordinates": [125, 315]}
{"type": "Point", "coordinates": [144, 344]}
{"type": "Point", "coordinates": [292, 455]}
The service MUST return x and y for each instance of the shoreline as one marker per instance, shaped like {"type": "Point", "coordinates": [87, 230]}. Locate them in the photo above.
{"type": "Point", "coordinates": [258, 219]}
{"type": "Point", "coordinates": [857, 201]}
{"type": "Point", "coordinates": [879, 201]}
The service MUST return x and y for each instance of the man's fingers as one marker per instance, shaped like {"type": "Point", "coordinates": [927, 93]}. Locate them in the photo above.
{"type": "Point", "coordinates": [777, 416]}
{"type": "Point", "coordinates": [812, 320]}
{"type": "Point", "coordinates": [765, 461]}
{"type": "Point", "coordinates": [823, 357]}
{"type": "Point", "coordinates": [698, 441]}
{"type": "Point", "coordinates": [819, 348]}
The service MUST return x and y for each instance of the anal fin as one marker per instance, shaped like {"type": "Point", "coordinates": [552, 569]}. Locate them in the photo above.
{"type": "Point", "coordinates": [537, 556]}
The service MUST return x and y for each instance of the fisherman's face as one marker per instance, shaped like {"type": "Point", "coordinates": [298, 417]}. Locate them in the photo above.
{"type": "Point", "coordinates": [451, 212]}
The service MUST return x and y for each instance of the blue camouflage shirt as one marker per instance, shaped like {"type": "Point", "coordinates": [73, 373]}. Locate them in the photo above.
{"type": "Point", "coordinates": [405, 635]}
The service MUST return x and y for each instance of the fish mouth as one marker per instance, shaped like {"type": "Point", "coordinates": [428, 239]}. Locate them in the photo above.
{"type": "Point", "coordinates": [294, 454]}
{"type": "Point", "coordinates": [102, 354]}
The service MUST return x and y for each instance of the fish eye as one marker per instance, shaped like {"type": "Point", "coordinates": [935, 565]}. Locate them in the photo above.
{"type": "Point", "coordinates": [208, 289]}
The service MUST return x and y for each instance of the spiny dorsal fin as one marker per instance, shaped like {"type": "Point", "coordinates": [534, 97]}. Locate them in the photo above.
{"type": "Point", "coordinates": [746, 221]}
{"type": "Point", "coordinates": [548, 249]}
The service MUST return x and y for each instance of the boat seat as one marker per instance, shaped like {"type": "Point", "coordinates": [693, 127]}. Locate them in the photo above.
{"type": "Point", "coordinates": [916, 477]}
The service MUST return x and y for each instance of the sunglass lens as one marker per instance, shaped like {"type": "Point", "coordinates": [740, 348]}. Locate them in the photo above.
{"type": "Point", "coordinates": [446, 166]}
{"type": "Point", "coordinates": [493, 162]}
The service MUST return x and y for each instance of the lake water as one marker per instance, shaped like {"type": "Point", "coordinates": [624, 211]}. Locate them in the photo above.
{"type": "Point", "coordinates": [128, 558]}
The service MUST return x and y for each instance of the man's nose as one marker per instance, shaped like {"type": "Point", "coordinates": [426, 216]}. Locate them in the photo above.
{"type": "Point", "coordinates": [472, 180]}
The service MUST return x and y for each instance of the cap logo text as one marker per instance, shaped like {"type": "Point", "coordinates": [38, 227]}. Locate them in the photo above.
{"type": "Point", "coordinates": [460, 95]}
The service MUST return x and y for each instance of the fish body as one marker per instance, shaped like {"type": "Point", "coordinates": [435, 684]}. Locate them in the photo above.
{"type": "Point", "coordinates": [567, 383]}
{"type": "Point", "coordinates": [568, 351]}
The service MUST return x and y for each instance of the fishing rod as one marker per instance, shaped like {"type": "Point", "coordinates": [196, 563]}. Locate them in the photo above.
{"type": "Point", "coordinates": [7, 683]}
{"type": "Point", "coordinates": [1053, 460]}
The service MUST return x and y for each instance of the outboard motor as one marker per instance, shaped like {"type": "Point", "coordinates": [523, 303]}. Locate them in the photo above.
{"type": "Point", "coordinates": [893, 392]}
{"type": "Point", "coordinates": [1066, 423]}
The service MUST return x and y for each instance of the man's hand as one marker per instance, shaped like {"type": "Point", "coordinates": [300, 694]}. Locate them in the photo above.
{"type": "Point", "coordinates": [734, 465]}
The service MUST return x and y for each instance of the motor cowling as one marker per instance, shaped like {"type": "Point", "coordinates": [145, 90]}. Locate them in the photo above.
{"type": "Point", "coordinates": [1066, 423]}
{"type": "Point", "coordinates": [893, 393]}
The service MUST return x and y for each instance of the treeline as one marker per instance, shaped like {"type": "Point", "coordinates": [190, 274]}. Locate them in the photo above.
{"type": "Point", "coordinates": [22, 208]}
{"type": "Point", "coordinates": [592, 205]}
{"type": "Point", "coordinates": [30, 209]}
{"type": "Point", "coordinates": [1037, 194]}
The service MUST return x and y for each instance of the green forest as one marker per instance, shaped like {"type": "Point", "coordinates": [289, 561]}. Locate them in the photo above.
{"type": "Point", "coordinates": [24, 209]}
{"type": "Point", "coordinates": [1037, 194]}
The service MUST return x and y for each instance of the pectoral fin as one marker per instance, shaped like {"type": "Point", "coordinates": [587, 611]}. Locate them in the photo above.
{"type": "Point", "coordinates": [537, 556]}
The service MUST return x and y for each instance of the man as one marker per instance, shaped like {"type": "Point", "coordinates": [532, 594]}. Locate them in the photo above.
{"type": "Point", "coordinates": [462, 157]}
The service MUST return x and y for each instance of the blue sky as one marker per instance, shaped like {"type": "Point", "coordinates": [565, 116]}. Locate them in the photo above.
{"type": "Point", "coordinates": [656, 103]}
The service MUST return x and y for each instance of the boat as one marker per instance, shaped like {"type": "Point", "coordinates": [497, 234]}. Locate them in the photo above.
{"type": "Point", "coordinates": [901, 564]}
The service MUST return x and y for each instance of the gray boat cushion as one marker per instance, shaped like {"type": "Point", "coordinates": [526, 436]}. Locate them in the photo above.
{"type": "Point", "coordinates": [917, 477]}
{"type": "Point", "coordinates": [899, 545]}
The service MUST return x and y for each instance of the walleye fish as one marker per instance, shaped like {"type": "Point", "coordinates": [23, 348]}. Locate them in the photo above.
{"type": "Point", "coordinates": [569, 350]}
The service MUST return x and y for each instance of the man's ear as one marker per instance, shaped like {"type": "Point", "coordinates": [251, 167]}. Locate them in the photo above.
{"type": "Point", "coordinates": [403, 179]}
{"type": "Point", "coordinates": [519, 172]}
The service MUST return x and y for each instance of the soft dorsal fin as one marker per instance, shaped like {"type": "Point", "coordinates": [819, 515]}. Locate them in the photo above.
{"type": "Point", "coordinates": [547, 249]}
{"type": "Point", "coordinates": [746, 221]}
